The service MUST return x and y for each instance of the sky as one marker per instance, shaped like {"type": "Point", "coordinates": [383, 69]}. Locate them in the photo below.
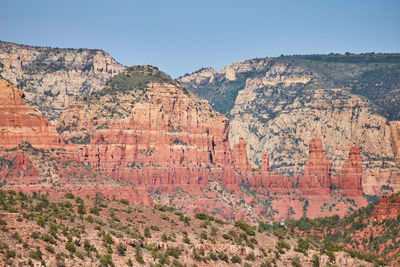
{"type": "Point", "coordinates": [182, 36]}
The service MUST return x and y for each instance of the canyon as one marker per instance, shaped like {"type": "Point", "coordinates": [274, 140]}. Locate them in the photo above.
{"type": "Point", "coordinates": [160, 143]}
{"type": "Point", "coordinates": [293, 142]}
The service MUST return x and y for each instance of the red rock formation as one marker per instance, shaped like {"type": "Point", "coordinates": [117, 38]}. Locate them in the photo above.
{"type": "Point", "coordinates": [20, 123]}
{"type": "Point", "coordinates": [316, 179]}
{"type": "Point", "coordinates": [265, 163]}
{"type": "Point", "coordinates": [167, 142]}
{"type": "Point", "coordinates": [387, 208]}
{"type": "Point", "coordinates": [239, 156]}
{"type": "Point", "coordinates": [349, 178]}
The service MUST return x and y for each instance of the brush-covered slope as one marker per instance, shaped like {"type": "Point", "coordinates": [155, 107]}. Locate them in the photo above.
{"type": "Point", "coordinates": [51, 76]}
{"type": "Point", "coordinates": [279, 104]}
{"type": "Point", "coordinates": [37, 229]}
{"type": "Point", "coordinates": [370, 233]}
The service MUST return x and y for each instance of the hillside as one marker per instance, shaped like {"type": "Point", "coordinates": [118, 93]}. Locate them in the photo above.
{"type": "Point", "coordinates": [370, 233]}
{"type": "Point", "coordinates": [278, 104]}
{"type": "Point", "coordinates": [51, 76]}
{"type": "Point", "coordinates": [68, 231]}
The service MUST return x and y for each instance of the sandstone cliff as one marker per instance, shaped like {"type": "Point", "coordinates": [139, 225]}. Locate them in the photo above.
{"type": "Point", "coordinates": [387, 208]}
{"type": "Point", "coordinates": [279, 104]}
{"type": "Point", "coordinates": [51, 76]}
{"type": "Point", "coordinates": [159, 137]}
{"type": "Point", "coordinates": [20, 123]}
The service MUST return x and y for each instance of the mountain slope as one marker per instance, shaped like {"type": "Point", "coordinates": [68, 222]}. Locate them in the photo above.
{"type": "Point", "coordinates": [70, 231]}
{"type": "Point", "coordinates": [51, 76]}
{"type": "Point", "coordinates": [278, 104]}
{"type": "Point", "coordinates": [370, 233]}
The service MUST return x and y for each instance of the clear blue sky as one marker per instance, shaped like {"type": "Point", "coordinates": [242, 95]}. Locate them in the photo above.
{"type": "Point", "coordinates": [183, 36]}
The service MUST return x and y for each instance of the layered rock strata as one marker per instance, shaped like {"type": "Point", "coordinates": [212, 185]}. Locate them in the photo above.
{"type": "Point", "coordinates": [387, 208]}
{"type": "Point", "coordinates": [160, 143]}
{"type": "Point", "coordinates": [20, 123]}
{"type": "Point", "coordinates": [279, 104]}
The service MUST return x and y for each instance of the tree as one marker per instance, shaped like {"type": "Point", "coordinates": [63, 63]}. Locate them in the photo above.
{"type": "Point", "coordinates": [315, 260]}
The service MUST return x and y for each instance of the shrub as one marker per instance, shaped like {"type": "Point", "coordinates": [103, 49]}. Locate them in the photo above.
{"type": "Point", "coordinates": [121, 248]}
{"type": "Point", "coordinates": [69, 195]}
{"type": "Point", "coordinates": [236, 259]}
{"type": "Point", "coordinates": [17, 237]}
{"type": "Point", "coordinates": [79, 200]}
{"type": "Point", "coordinates": [147, 232]}
{"type": "Point", "coordinates": [222, 256]}
{"type": "Point", "coordinates": [164, 259]}
{"type": "Point", "coordinates": [139, 256]}
{"type": "Point", "coordinates": [70, 247]}
{"type": "Point", "coordinates": [10, 253]}
{"type": "Point", "coordinates": [35, 234]}
{"type": "Point", "coordinates": [186, 239]}
{"type": "Point", "coordinates": [213, 256]}
{"type": "Point", "coordinates": [95, 210]}
{"type": "Point", "coordinates": [36, 254]}
{"type": "Point", "coordinates": [203, 216]}
{"type": "Point", "coordinates": [296, 262]}
{"type": "Point", "coordinates": [155, 228]}
{"type": "Point", "coordinates": [81, 209]}
{"type": "Point", "coordinates": [282, 244]}
{"type": "Point", "coordinates": [203, 235]}
{"type": "Point", "coordinates": [106, 260]}
{"type": "Point", "coordinates": [50, 249]}
{"type": "Point", "coordinates": [108, 239]}
{"type": "Point", "coordinates": [124, 201]}
{"type": "Point", "coordinates": [174, 252]}
{"type": "Point", "coordinates": [48, 238]}
{"type": "Point", "coordinates": [242, 225]}
{"type": "Point", "coordinates": [251, 257]}
{"type": "Point", "coordinates": [40, 221]}
{"type": "Point", "coordinates": [315, 260]}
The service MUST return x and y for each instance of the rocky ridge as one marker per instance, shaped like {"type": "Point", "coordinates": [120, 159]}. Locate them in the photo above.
{"type": "Point", "coordinates": [279, 104]}
{"type": "Point", "coordinates": [51, 76]}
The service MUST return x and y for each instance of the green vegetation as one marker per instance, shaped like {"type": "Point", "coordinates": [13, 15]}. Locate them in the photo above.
{"type": "Point", "coordinates": [178, 141]}
{"type": "Point", "coordinates": [135, 79]}
{"type": "Point", "coordinates": [245, 227]}
{"type": "Point", "coordinates": [332, 234]}
{"type": "Point", "coordinates": [66, 235]}
{"type": "Point", "coordinates": [80, 140]}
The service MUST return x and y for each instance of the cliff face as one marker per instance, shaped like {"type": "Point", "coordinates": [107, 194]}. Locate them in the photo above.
{"type": "Point", "coordinates": [51, 76]}
{"type": "Point", "coordinates": [20, 123]}
{"type": "Point", "coordinates": [387, 208]}
{"type": "Point", "coordinates": [163, 139]}
{"type": "Point", "coordinates": [279, 104]}
{"type": "Point", "coordinates": [137, 135]}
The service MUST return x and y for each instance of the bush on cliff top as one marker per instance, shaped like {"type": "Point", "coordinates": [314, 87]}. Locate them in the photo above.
{"type": "Point", "coordinates": [135, 78]}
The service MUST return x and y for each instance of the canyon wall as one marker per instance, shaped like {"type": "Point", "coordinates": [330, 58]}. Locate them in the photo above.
{"type": "Point", "coordinates": [278, 105]}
